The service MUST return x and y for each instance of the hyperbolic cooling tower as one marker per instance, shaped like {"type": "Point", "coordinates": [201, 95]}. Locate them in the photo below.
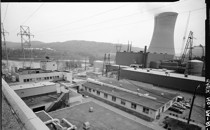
{"type": "Point", "coordinates": [163, 35]}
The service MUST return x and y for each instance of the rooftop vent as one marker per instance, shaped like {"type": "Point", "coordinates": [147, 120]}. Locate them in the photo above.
{"type": "Point", "coordinates": [86, 125]}
{"type": "Point", "coordinates": [162, 94]}
{"type": "Point", "coordinates": [91, 109]}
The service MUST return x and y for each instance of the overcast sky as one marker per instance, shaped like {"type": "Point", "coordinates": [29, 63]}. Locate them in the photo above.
{"type": "Point", "coordinates": [102, 22]}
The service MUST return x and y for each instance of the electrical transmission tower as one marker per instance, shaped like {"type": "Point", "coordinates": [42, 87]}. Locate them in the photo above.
{"type": "Point", "coordinates": [25, 42]}
{"type": "Point", "coordinates": [3, 43]}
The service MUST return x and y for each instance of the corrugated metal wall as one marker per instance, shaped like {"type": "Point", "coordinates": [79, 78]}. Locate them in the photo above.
{"type": "Point", "coordinates": [164, 81]}
{"type": "Point", "coordinates": [127, 58]}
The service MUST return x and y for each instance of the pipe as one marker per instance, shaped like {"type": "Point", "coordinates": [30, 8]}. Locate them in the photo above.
{"type": "Point", "coordinates": [26, 115]}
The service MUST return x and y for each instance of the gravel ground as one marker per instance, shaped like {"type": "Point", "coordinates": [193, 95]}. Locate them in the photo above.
{"type": "Point", "coordinates": [9, 121]}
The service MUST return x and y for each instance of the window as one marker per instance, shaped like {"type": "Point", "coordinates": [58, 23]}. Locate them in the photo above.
{"type": "Point", "coordinates": [145, 110]}
{"type": "Point", "coordinates": [24, 80]}
{"type": "Point", "coordinates": [50, 77]}
{"type": "Point", "coordinates": [133, 105]}
{"type": "Point", "coordinates": [98, 93]}
{"type": "Point", "coordinates": [123, 102]}
{"type": "Point", "coordinates": [93, 90]}
{"type": "Point", "coordinates": [30, 79]}
{"type": "Point", "coordinates": [89, 89]}
{"type": "Point", "coordinates": [45, 78]}
{"type": "Point", "coordinates": [27, 80]}
{"type": "Point", "coordinates": [86, 88]}
{"type": "Point", "coordinates": [113, 98]}
{"type": "Point", "coordinates": [105, 95]}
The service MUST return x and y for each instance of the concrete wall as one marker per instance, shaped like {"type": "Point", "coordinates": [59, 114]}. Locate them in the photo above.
{"type": "Point", "coordinates": [50, 65]}
{"type": "Point", "coordinates": [24, 113]}
{"type": "Point", "coordinates": [157, 57]}
{"type": "Point", "coordinates": [35, 91]}
{"type": "Point", "coordinates": [139, 108]}
{"type": "Point", "coordinates": [75, 99]}
{"type": "Point", "coordinates": [164, 81]}
{"type": "Point", "coordinates": [163, 34]}
{"type": "Point", "coordinates": [127, 58]}
{"type": "Point", "coordinates": [35, 77]}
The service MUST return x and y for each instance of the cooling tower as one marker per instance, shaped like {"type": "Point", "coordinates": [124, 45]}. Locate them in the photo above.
{"type": "Point", "coordinates": [163, 35]}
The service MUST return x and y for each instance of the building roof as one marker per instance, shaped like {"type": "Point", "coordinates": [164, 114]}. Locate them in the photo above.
{"type": "Point", "coordinates": [31, 85]}
{"type": "Point", "coordinates": [100, 119]}
{"type": "Point", "coordinates": [175, 75]}
{"type": "Point", "coordinates": [160, 96]}
{"type": "Point", "coordinates": [39, 100]}
{"type": "Point", "coordinates": [141, 100]}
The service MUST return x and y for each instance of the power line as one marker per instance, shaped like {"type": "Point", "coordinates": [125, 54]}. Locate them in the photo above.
{"type": "Point", "coordinates": [137, 22]}
{"type": "Point", "coordinates": [118, 18]}
{"type": "Point", "coordinates": [82, 19]}
{"type": "Point", "coordinates": [31, 15]}
{"type": "Point", "coordinates": [5, 12]}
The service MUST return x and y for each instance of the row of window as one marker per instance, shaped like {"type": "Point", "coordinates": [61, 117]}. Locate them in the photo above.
{"type": "Point", "coordinates": [39, 79]}
{"type": "Point", "coordinates": [123, 102]}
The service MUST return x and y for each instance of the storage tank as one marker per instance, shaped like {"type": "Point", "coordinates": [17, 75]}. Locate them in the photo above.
{"type": "Point", "coordinates": [98, 66]}
{"type": "Point", "coordinates": [198, 51]}
{"type": "Point", "coordinates": [163, 34]}
{"type": "Point", "coordinates": [195, 67]}
{"type": "Point", "coordinates": [155, 64]}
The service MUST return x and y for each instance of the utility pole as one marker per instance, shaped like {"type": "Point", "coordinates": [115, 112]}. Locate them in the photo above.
{"type": "Point", "coordinates": [191, 107]}
{"type": "Point", "coordinates": [25, 41]}
{"type": "Point", "coordinates": [3, 32]}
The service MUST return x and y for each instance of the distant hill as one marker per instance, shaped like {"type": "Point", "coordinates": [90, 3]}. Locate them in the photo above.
{"type": "Point", "coordinates": [77, 47]}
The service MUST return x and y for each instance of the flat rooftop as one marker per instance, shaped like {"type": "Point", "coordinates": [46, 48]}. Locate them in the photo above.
{"type": "Point", "coordinates": [130, 85]}
{"type": "Point", "coordinates": [141, 100]}
{"type": "Point", "coordinates": [31, 85]}
{"type": "Point", "coordinates": [175, 75]}
{"type": "Point", "coordinates": [39, 100]}
{"type": "Point", "coordinates": [100, 119]}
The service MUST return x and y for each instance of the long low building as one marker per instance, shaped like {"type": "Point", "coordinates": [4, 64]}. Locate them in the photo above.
{"type": "Point", "coordinates": [147, 105]}
{"type": "Point", "coordinates": [163, 79]}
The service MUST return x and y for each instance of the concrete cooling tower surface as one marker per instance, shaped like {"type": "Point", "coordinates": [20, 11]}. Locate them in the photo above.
{"type": "Point", "coordinates": [163, 35]}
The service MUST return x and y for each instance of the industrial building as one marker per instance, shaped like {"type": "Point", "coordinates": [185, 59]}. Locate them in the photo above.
{"type": "Point", "coordinates": [143, 104]}
{"type": "Point", "coordinates": [47, 72]}
{"type": "Point", "coordinates": [165, 79]}
{"type": "Point", "coordinates": [46, 96]}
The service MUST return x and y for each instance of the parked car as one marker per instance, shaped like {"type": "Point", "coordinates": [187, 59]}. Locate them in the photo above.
{"type": "Point", "coordinates": [179, 105]}
{"type": "Point", "coordinates": [175, 109]}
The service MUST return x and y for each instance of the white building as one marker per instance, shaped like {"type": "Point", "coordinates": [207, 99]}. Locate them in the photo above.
{"type": "Point", "coordinates": [142, 106]}
{"type": "Point", "coordinates": [48, 65]}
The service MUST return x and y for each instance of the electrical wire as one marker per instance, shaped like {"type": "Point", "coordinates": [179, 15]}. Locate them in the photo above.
{"type": "Point", "coordinates": [124, 16]}
{"type": "Point", "coordinates": [31, 15]}
{"type": "Point", "coordinates": [137, 22]}
{"type": "Point", "coordinates": [82, 19]}
{"type": "Point", "coordinates": [5, 12]}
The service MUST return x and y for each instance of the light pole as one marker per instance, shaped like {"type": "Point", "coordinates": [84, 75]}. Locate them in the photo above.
{"type": "Point", "coordinates": [188, 121]}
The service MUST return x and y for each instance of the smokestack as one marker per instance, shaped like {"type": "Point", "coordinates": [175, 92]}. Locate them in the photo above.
{"type": "Point", "coordinates": [128, 47]}
{"type": "Point", "coordinates": [163, 35]}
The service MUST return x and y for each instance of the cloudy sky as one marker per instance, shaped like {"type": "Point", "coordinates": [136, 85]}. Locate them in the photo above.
{"type": "Point", "coordinates": [103, 22]}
